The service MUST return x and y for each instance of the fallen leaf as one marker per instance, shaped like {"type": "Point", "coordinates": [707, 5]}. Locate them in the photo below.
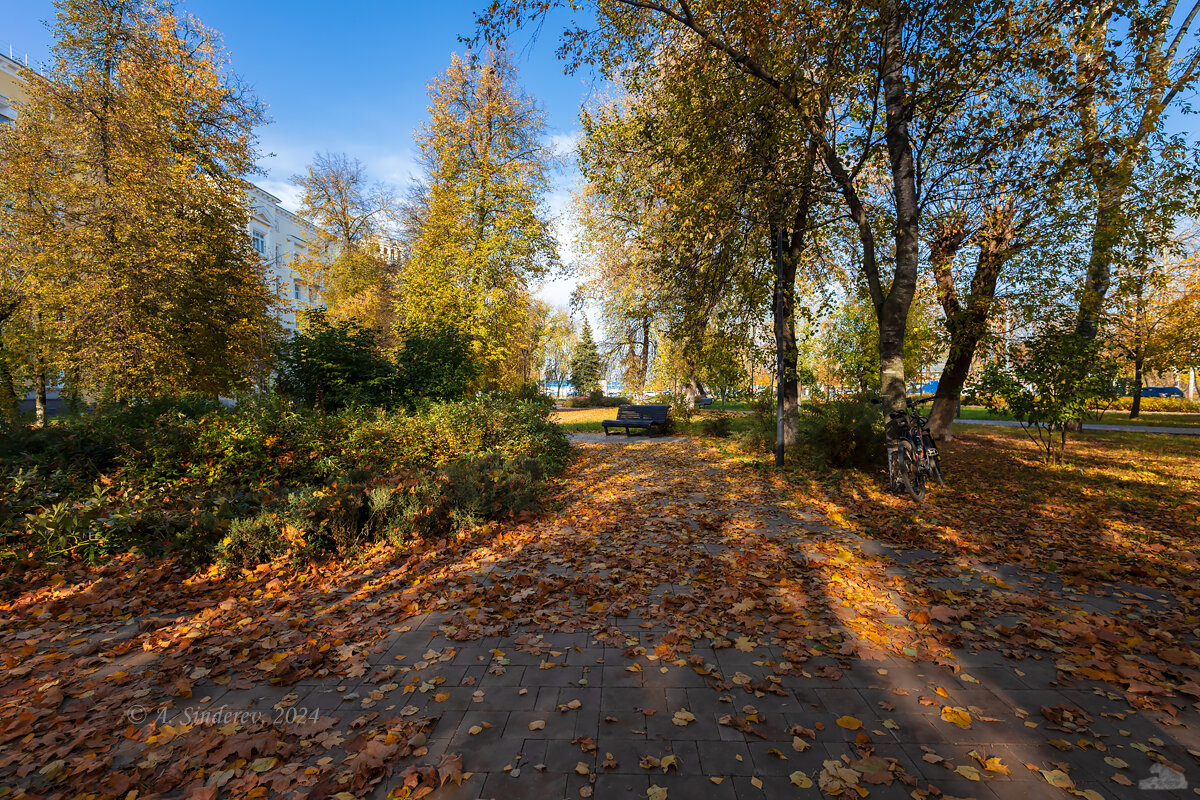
{"type": "Point", "coordinates": [958, 716]}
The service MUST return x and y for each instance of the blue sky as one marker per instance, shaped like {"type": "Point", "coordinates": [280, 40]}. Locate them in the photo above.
{"type": "Point", "coordinates": [352, 80]}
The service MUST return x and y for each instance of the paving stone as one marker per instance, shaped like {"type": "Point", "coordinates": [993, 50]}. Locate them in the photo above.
{"type": "Point", "coordinates": [721, 758]}
{"type": "Point", "coordinates": [529, 785]}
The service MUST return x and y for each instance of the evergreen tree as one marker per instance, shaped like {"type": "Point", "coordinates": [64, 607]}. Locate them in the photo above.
{"type": "Point", "coordinates": [586, 367]}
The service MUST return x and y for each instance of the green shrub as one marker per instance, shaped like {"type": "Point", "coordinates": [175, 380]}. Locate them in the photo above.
{"type": "Point", "coordinates": [843, 433]}
{"type": "Point", "coordinates": [435, 363]}
{"type": "Point", "coordinates": [99, 484]}
{"type": "Point", "coordinates": [596, 400]}
{"type": "Point", "coordinates": [680, 417]}
{"type": "Point", "coordinates": [755, 440]}
{"type": "Point", "coordinates": [716, 425]}
{"type": "Point", "coordinates": [1178, 405]}
{"type": "Point", "coordinates": [530, 392]}
{"type": "Point", "coordinates": [252, 540]}
{"type": "Point", "coordinates": [1058, 379]}
{"type": "Point", "coordinates": [331, 365]}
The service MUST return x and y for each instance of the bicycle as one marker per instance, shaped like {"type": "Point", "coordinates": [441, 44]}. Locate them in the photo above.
{"type": "Point", "coordinates": [916, 457]}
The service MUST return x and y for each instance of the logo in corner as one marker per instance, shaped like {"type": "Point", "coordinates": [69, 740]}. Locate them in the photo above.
{"type": "Point", "coordinates": [1163, 777]}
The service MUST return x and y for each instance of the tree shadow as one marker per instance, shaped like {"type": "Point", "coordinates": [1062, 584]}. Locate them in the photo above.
{"type": "Point", "coordinates": [661, 558]}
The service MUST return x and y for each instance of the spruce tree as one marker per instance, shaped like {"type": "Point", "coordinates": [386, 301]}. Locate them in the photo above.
{"type": "Point", "coordinates": [586, 367]}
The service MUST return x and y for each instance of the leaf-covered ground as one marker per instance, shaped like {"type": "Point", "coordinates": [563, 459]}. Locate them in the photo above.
{"type": "Point", "coordinates": [683, 624]}
{"type": "Point", "coordinates": [1122, 506]}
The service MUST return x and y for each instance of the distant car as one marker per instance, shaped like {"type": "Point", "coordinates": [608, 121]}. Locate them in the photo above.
{"type": "Point", "coordinates": [1162, 391]}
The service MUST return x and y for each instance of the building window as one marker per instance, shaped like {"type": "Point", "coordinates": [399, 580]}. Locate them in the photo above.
{"type": "Point", "coordinates": [260, 242]}
{"type": "Point", "coordinates": [298, 289]}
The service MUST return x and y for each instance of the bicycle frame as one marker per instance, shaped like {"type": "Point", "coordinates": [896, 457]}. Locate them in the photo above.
{"type": "Point", "coordinates": [917, 457]}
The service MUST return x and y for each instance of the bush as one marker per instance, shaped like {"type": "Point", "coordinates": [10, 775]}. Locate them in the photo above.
{"type": "Point", "coordinates": [716, 425]}
{"type": "Point", "coordinates": [1059, 379]}
{"type": "Point", "coordinates": [231, 482]}
{"type": "Point", "coordinates": [530, 392]}
{"type": "Point", "coordinates": [755, 440]}
{"type": "Point", "coordinates": [330, 366]}
{"type": "Point", "coordinates": [437, 363]}
{"type": "Point", "coordinates": [340, 516]}
{"type": "Point", "coordinates": [843, 433]}
{"type": "Point", "coordinates": [1178, 405]}
{"type": "Point", "coordinates": [597, 400]}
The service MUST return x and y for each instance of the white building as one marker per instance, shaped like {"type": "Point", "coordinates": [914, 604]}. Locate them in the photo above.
{"type": "Point", "coordinates": [282, 238]}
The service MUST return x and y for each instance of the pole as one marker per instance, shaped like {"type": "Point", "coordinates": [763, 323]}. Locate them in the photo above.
{"type": "Point", "coordinates": [780, 376]}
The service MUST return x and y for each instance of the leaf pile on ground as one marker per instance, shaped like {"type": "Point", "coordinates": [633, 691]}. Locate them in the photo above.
{"type": "Point", "coordinates": [1124, 506]}
{"type": "Point", "coordinates": [707, 552]}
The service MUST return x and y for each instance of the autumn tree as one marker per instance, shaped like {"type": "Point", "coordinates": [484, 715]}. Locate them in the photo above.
{"type": "Point", "coordinates": [684, 196]}
{"type": "Point", "coordinates": [559, 345]}
{"type": "Point", "coordinates": [529, 342]}
{"type": "Point", "coordinates": [1133, 64]}
{"type": "Point", "coordinates": [849, 337]}
{"type": "Point", "coordinates": [125, 213]}
{"type": "Point", "coordinates": [616, 271]}
{"type": "Point", "coordinates": [1152, 324]}
{"type": "Point", "coordinates": [484, 235]}
{"type": "Point", "coordinates": [867, 86]}
{"type": "Point", "coordinates": [353, 213]}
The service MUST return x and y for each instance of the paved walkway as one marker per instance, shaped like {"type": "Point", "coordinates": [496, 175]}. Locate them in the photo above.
{"type": "Point", "coordinates": [679, 629]}
{"type": "Point", "coordinates": [1092, 426]}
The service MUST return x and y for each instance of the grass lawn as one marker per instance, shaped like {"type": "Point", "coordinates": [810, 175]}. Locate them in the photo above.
{"type": "Point", "coordinates": [1124, 505]}
{"type": "Point", "coordinates": [732, 405]}
{"type": "Point", "coordinates": [1147, 418]}
{"type": "Point", "coordinates": [586, 420]}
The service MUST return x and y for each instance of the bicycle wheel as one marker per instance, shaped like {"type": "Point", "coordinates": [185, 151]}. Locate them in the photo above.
{"type": "Point", "coordinates": [936, 464]}
{"type": "Point", "coordinates": [910, 474]}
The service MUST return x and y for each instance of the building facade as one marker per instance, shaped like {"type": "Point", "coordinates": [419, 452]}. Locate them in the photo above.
{"type": "Point", "coordinates": [284, 240]}
{"type": "Point", "coordinates": [12, 88]}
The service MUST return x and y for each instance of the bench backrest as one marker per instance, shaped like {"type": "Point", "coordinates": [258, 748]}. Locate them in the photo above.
{"type": "Point", "coordinates": [656, 413]}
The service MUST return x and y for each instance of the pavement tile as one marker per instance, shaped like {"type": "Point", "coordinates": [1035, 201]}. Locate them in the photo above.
{"type": "Point", "coordinates": [722, 758]}
{"type": "Point", "coordinates": [529, 785]}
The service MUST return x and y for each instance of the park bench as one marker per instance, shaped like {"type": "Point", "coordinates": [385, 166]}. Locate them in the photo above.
{"type": "Point", "coordinates": [643, 417]}
{"type": "Point", "coordinates": [703, 402]}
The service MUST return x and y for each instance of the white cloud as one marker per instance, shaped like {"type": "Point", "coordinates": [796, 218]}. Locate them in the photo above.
{"type": "Point", "coordinates": [564, 145]}
{"type": "Point", "coordinates": [557, 292]}
{"type": "Point", "coordinates": [289, 195]}
{"type": "Point", "coordinates": [398, 169]}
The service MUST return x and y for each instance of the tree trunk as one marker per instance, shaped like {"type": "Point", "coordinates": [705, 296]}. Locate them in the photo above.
{"type": "Point", "coordinates": [645, 365]}
{"type": "Point", "coordinates": [1136, 408]}
{"type": "Point", "coordinates": [892, 312]}
{"type": "Point", "coordinates": [967, 324]}
{"type": "Point", "coordinates": [787, 260]}
{"type": "Point", "coordinates": [1106, 235]}
{"type": "Point", "coordinates": [787, 417]}
{"type": "Point", "coordinates": [949, 392]}
{"type": "Point", "coordinates": [39, 395]}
